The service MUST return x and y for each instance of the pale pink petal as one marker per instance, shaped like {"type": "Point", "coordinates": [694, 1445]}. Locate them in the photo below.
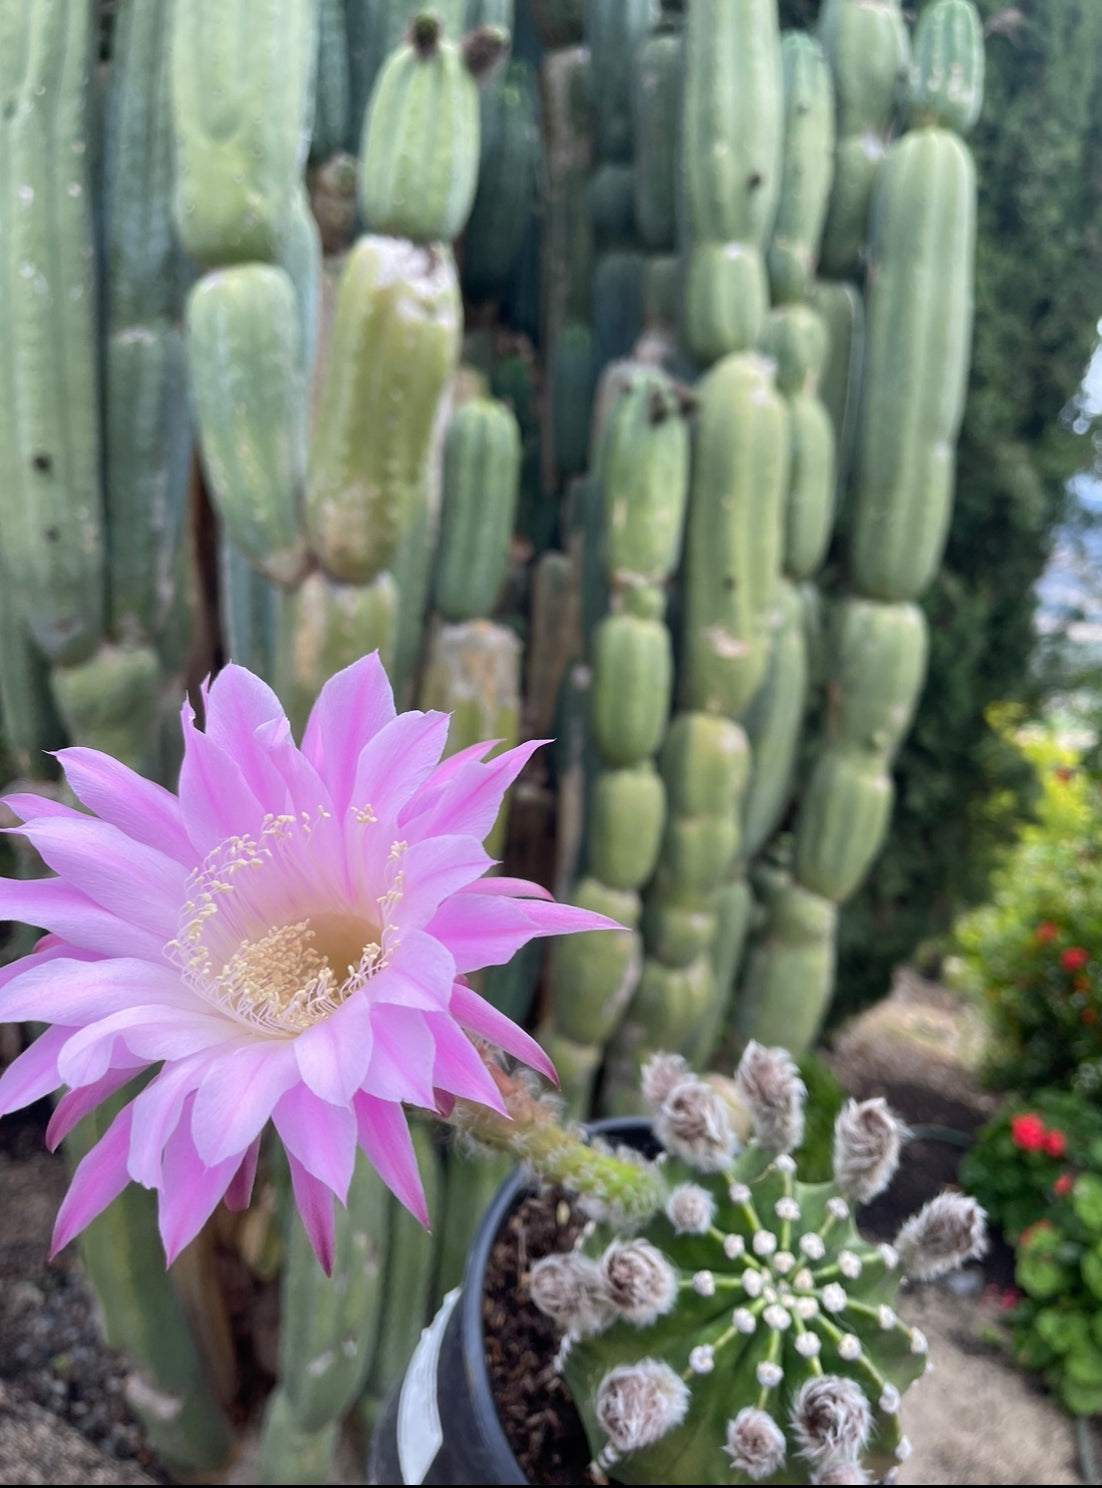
{"type": "Point", "coordinates": [239, 1194]}
{"type": "Point", "coordinates": [472, 799]}
{"type": "Point", "coordinates": [397, 761]}
{"type": "Point", "coordinates": [402, 1055]}
{"type": "Point", "coordinates": [142, 809]}
{"type": "Point", "coordinates": [100, 1177]}
{"type": "Point", "coordinates": [444, 772]}
{"type": "Point", "coordinates": [237, 1095]}
{"type": "Point", "coordinates": [33, 1074]}
{"type": "Point", "coordinates": [74, 1105]}
{"type": "Point", "coordinates": [216, 799]}
{"type": "Point", "coordinates": [333, 1055]}
{"type": "Point", "coordinates": [314, 1202]}
{"type": "Point", "coordinates": [135, 882]}
{"type": "Point", "coordinates": [29, 806]}
{"type": "Point", "coordinates": [486, 930]}
{"type": "Point", "coordinates": [514, 888]}
{"type": "Point", "coordinates": [418, 975]}
{"type": "Point", "coordinates": [190, 1191]}
{"type": "Point", "coordinates": [320, 1135]}
{"type": "Point", "coordinates": [481, 1018]}
{"type": "Point", "coordinates": [459, 1067]}
{"type": "Point", "coordinates": [75, 991]}
{"type": "Point", "coordinates": [152, 1032]}
{"type": "Point", "coordinates": [57, 906]}
{"type": "Point", "coordinates": [351, 709]}
{"type": "Point", "coordinates": [158, 1110]}
{"type": "Point", "coordinates": [237, 705]}
{"type": "Point", "coordinates": [384, 1137]}
{"type": "Point", "coordinates": [433, 870]}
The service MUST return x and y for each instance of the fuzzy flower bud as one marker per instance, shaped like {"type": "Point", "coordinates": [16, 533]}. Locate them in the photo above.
{"type": "Point", "coordinates": [946, 1232]}
{"type": "Point", "coordinates": [843, 1472]}
{"type": "Point", "coordinates": [755, 1443]}
{"type": "Point", "coordinates": [831, 1418]}
{"type": "Point", "coordinates": [693, 1123]}
{"type": "Point", "coordinates": [570, 1290]}
{"type": "Point", "coordinates": [660, 1074]}
{"type": "Point", "coordinates": [690, 1209]}
{"type": "Point", "coordinates": [638, 1280]}
{"type": "Point", "coordinates": [638, 1403]}
{"type": "Point", "coordinates": [867, 1139]}
{"type": "Point", "coordinates": [768, 1081]}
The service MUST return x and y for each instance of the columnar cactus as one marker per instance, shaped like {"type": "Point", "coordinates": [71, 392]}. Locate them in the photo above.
{"type": "Point", "coordinates": [745, 1327]}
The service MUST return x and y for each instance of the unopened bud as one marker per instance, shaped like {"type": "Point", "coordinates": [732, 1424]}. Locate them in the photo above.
{"type": "Point", "coordinates": [832, 1418]}
{"type": "Point", "coordinates": [755, 1444]}
{"type": "Point", "coordinates": [693, 1123]}
{"type": "Point", "coordinates": [867, 1139]}
{"type": "Point", "coordinates": [690, 1209]}
{"type": "Point", "coordinates": [637, 1404]}
{"type": "Point", "coordinates": [947, 1231]}
{"type": "Point", "coordinates": [843, 1472]}
{"type": "Point", "coordinates": [768, 1081]}
{"type": "Point", "coordinates": [638, 1280]}
{"type": "Point", "coordinates": [660, 1074]}
{"type": "Point", "coordinates": [569, 1289]}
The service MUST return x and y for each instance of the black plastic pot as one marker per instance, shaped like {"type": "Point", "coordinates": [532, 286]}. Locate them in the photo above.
{"type": "Point", "coordinates": [440, 1424]}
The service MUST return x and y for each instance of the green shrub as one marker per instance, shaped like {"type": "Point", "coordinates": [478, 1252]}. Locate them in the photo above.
{"type": "Point", "coordinates": [1034, 952]}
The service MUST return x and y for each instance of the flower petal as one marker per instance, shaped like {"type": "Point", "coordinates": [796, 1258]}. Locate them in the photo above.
{"type": "Point", "coordinates": [472, 798]}
{"type": "Point", "coordinates": [397, 761]}
{"type": "Point", "coordinates": [314, 1201]}
{"type": "Point", "coordinates": [56, 905]}
{"type": "Point", "coordinates": [402, 1056]}
{"type": "Point", "coordinates": [433, 870]}
{"type": "Point", "coordinates": [216, 799]}
{"type": "Point", "coordinates": [384, 1137]}
{"type": "Point", "coordinates": [237, 1094]}
{"type": "Point", "coordinates": [158, 1110]}
{"type": "Point", "coordinates": [481, 1018]}
{"type": "Point", "coordinates": [33, 1074]}
{"type": "Point", "coordinates": [74, 1105]}
{"type": "Point", "coordinates": [139, 807]}
{"type": "Point", "coordinates": [136, 882]}
{"type": "Point", "coordinates": [486, 930]}
{"type": "Point", "coordinates": [333, 1056]}
{"type": "Point", "coordinates": [190, 1191]}
{"type": "Point", "coordinates": [239, 1194]}
{"type": "Point", "coordinates": [499, 883]}
{"type": "Point", "coordinates": [321, 1136]}
{"type": "Point", "coordinates": [459, 1068]}
{"type": "Point", "coordinates": [419, 974]}
{"type": "Point", "coordinates": [150, 1031]}
{"type": "Point", "coordinates": [352, 707]}
{"type": "Point", "coordinates": [66, 989]}
{"type": "Point", "coordinates": [100, 1177]}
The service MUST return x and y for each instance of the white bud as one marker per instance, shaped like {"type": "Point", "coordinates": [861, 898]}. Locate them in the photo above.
{"type": "Point", "coordinates": [803, 1280]}
{"type": "Point", "coordinates": [694, 1123]}
{"type": "Point", "coordinates": [831, 1418]}
{"type": "Point", "coordinates": [769, 1374]}
{"type": "Point", "coordinates": [739, 1193]}
{"type": "Point", "coordinates": [947, 1231]}
{"type": "Point", "coordinates": [903, 1450]}
{"type": "Point", "coordinates": [755, 1444]}
{"type": "Point", "coordinates": [837, 1208]}
{"type": "Point", "coordinates": [570, 1290]}
{"type": "Point", "coordinates": [849, 1264]}
{"type": "Point", "coordinates": [834, 1297]}
{"type": "Point", "coordinates": [885, 1317]}
{"type": "Point", "coordinates": [919, 1344]}
{"type": "Point", "coordinates": [744, 1320]}
{"type": "Point", "coordinates": [889, 1399]}
{"type": "Point", "coordinates": [786, 1209]}
{"type": "Point", "coordinates": [764, 1242]}
{"type": "Point", "coordinates": [660, 1074]}
{"type": "Point", "coordinates": [867, 1139]}
{"type": "Point", "coordinates": [783, 1262]}
{"type": "Point", "coordinates": [808, 1345]}
{"type": "Point", "coordinates": [637, 1404]}
{"type": "Point", "coordinates": [639, 1280]}
{"type": "Point", "coordinates": [889, 1255]}
{"type": "Point", "coordinates": [776, 1317]}
{"type": "Point", "coordinates": [690, 1209]}
{"type": "Point", "coordinates": [849, 1347]}
{"type": "Point", "coordinates": [752, 1282]}
{"type": "Point", "coordinates": [768, 1081]}
{"type": "Point", "coordinates": [784, 1162]}
{"type": "Point", "coordinates": [704, 1284]}
{"type": "Point", "coordinates": [702, 1359]}
{"type": "Point", "coordinates": [812, 1246]}
{"type": "Point", "coordinates": [806, 1308]}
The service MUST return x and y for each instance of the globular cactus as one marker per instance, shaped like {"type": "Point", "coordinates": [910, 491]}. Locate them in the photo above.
{"type": "Point", "coordinates": [745, 1331]}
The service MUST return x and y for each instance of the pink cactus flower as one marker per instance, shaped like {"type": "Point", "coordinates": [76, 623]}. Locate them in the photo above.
{"type": "Point", "coordinates": [286, 939]}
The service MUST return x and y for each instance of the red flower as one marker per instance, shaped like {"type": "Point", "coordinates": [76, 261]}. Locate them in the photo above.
{"type": "Point", "coordinates": [1064, 1184]}
{"type": "Point", "coordinates": [1073, 958]}
{"type": "Point", "coordinates": [1045, 932]}
{"type": "Point", "coordinates": [1028, 1132]}
{"type": "Point", "coordinates": [1055, 1143]}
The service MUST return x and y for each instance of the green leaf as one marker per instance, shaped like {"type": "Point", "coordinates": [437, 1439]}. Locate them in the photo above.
{"type": "Point", "coordinates": [1086, 1197]}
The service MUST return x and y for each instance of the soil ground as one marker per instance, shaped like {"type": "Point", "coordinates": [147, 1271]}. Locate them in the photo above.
{"type": "Point", "coordinates": [976, 1419]}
